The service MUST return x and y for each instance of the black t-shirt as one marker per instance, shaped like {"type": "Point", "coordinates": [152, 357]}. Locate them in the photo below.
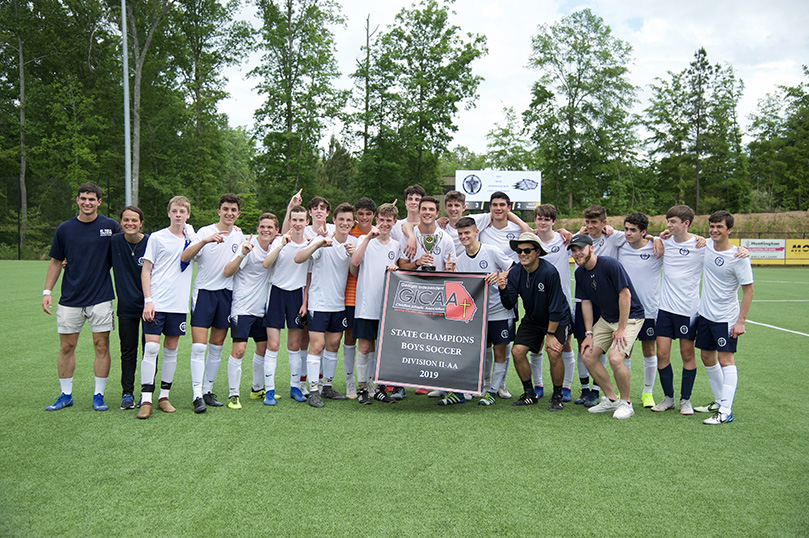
{"type": "Point", "coordinates": [602, 285]}
{"type": "Point", "coordinates": [127, 261]}
{"type": "Point", "coordinates": [541, 292]}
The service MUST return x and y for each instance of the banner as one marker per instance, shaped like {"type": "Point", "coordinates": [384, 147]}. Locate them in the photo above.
{"type": "Point", "coordinates": [765, 249]}
{"type": "Point", "coordinates": [433, 331]}
{"type": "Point", "coordinates": [478, 185]}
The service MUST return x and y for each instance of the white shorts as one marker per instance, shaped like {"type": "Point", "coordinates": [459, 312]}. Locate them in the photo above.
{"type": "Point", "coordinates": [70, 319]}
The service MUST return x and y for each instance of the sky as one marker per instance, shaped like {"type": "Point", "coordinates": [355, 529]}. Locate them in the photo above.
{"type": "Point", "coordinates": [765, 42]}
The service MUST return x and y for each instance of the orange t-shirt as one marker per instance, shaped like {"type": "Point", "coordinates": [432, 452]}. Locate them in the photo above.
{"type": "Point", "coordinates": [351, 283]}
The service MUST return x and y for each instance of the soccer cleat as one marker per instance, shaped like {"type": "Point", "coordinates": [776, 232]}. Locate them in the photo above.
{"type": "Point", "coordinates": [488, 399]}
{"type": "Point", "coordinates": [257, 394]}
{"type": "Point", "coordinates": [685, 407]}
{"type": "Point", "coordinates": [304, 388]}
{"type": "Point", "coordinates": [583, 396]}
{"type": "Point", "coordinates": [504, 393]}
{"type": "Point", "coordinates": [556, 404]}
{"type": "Point", "coordinates": [127, 401]}
{"type": "Point", "coordinates": [719, 418]}
{"type": "Point", "coordinates": [98, 402]}
{"type": "Point", "coordinates": [665, 405]}
{"type": "Point", "coordinates": [363, 397]}
{"type": "Point", "coordinates": [422, 392]}
{"type": "Point", "coordinates": [527, 398]}
{"type": "Point", "coordinates": [436, 394]}
{"type": "Point", "coordinates": [269, 397]}
{"type": "Point", "coordinates": [165, 405]}
{"type": "Point", "coordinates": [199, 406]}
{"type": "Point", "coordinates": [351, 390]}
{"type": "Point", "coordinates": [539, 391]}
{"type": "Point", "coordinates": [234, 403]}
{"type": "Point", "coordinates": [566, 395]}
{"type": "Point", "coordinates": [328, 392]}
{"type": "Point", "coordinates": [145, 411]}
{"type": "Point", "coordinates": [382, 396]}
{"type": "Point", "coordinates": [296, 394]}
{"type": "Point", "coordinates": [210, 399]}
{"type": "Point", "coordinates": [648, 399]}
{"type": "Point", "coordinates": [452, 399]}
{"type": "Point", "coordinates": [314, 399]}
{"type": "Point", "coordinates": [712, 407]}
{"type": "Point", "coordinates": [625, 410]}
{"type": "Point", "coordinates": [605, 406]}
{"type": "Point", "coordinates": [399, 393]}
{"type": "Point", "coordinates": [592, 399]}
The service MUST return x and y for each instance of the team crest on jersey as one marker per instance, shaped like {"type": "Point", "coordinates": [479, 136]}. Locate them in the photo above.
{"type": "Point", "coordinates": [510, 236]}
{"type": "Point", "coordinates": [684, 252]}
{"type": "Point", "coordinates": [345, 322]}
{"type": "Point", "coordinates": [683, 329]}
{"type": "Point", "coordinates": [645, 256]}
{"type": "Point", "coordinates": [234, 247]}
{"type": "Point", "coordinates": [504, 333]}
{"type": "Point", "coordinates": [650, 331]}
{"type": "Point", "coordinates": [105, 232]}
{"type": "Point", "coordinates": [182, 326]}
{"type": "Point", "coordinates": [436, 250]}
{"type": "Point", "coordinates": [541, 286]}
{"type": "Point", "coordinates": [594, 284]}
{"type": "Point", "coordinates": [555, 249]}
{"type": "Point", "coordinates": [483, 264]}
{"type": "Point", "coordinates": [722, 342]}
{"type": "Point", "coordinates": [140, 261]}
{"type": "Point", "coordinates": [719, 261]}
{"type": "Point", "coordinates": [391, 254]}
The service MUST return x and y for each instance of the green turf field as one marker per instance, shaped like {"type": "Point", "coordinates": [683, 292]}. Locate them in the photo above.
{"type": "Point", "coordinates": [407, 469]}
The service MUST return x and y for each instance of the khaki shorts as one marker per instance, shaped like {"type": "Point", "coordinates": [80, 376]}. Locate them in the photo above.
{"type": "Point", "coordinates": [70, 319]}
{"type": "Point", "coordinates": [602, 334]}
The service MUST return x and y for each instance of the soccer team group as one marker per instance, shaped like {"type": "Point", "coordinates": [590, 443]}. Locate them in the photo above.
{"type": "Point", "coordinates": [323, 283]}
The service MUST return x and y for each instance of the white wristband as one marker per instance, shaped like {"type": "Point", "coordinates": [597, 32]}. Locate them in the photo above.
{"type": "Point", "coordinates": [590, 333]}
{"type": "Point", "coordinates": [46, 292]}
{"type": "Point", "coordinates": [241, 255]}
{"type": "Point", "coordinates": [147, 300]}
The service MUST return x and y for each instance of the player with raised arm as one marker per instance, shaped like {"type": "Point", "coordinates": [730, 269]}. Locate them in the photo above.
{"type": "Point", "coordinates": [413, 195]}
{"type": "Point", "coordinates": [250, 293]}
{"type": "Point", "coordinates": [166, 283]}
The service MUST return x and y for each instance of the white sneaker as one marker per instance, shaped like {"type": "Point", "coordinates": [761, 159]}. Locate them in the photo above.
{"type": "Point", "coordinates": [712, 407]}
{"type": "Point", "coordinates": [625, 410]}
{"type": "Point", "coordinates": [665, 405]}
{"type": "Point", "coordinates": [436, 394]}
{"type": "Point", "coordinates": [685, 407]}
{"type": "Point", "coordinates": [305, 388]}
{"type": "Point", "coordinates": [605, 406]}
{"type": "Point", "coordinates": [351, 390]}
{"type": "Point", "coordinates": [504, 393]}
{"type": "Point", "coordinates": [719, 418]}
{"type": "Point", "coordinates": [468, 396]}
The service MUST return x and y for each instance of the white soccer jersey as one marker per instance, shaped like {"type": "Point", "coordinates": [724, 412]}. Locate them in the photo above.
{"type": "Point", "coordinates": [286, 274]}
{"type": "Point", "coordinates": [396, 231]}
{"type": "Point", "coordinates": [327, 291]}
{"type": "Point", "coordinates": [170, 285]}
{"type": "Point", "coordinates": [682, 267]}
{"type": "Point", "coordinates": [453, 234]}
{"type": "Point", "coordinates": [371, 278]}
{"type": "Point", "coordinates": [444, 247]}
{"type": "Point", "coordinates": [251, 283]}
{"type": "Point", "coordinates": [643, 268]}
{"type": "Point", "coordinates": [489, 259]}
{"type": "Point", "coordinates": [310, 233]}
{"type": "Point", "coordinates": [722, 276]}
{"type": "Point", "coordinates": [558, 256]}
{"type": "Point", "coordinates": [500, 238]}
{"type": "Point", "coordinates": [213, 257]}
{"type": "Point", "coordinates": [608, 245]}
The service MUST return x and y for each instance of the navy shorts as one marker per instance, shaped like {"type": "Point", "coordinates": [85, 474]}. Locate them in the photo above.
{"type": "Point", "coordinates": [367, 329]}
{"type": "Point", "coordinates": [328, 322]}
{"type": "Point", "coordinates": [212, 309]}
{"type": "Point", "coordinates": [675, 326]}
{"type": "Point", "coordinates": [283, 308]}
{"type": "Point", "coordinates": [714, 336]}
{"type": "Point", "coordinates": [578, 320]}
{"type": "Point", "coordinates": [499, 331]}
{"type": "Point", "coordinates": [350, 316]}
{"type": "Point", "coordinates": [531, 335]}
{"type": "Point", "coordinates": [647, 332]}
{"type": "Point", "coordinates": [168, 323]}
{"type": "Point", "coordinates": [245, 326]}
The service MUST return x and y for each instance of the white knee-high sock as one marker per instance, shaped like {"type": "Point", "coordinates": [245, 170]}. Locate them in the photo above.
{"type": "Point", "coordinates": [716, 379]}
{"type": "Point", "coordinates": [583, 372]}
{"type": "Point", "coordinates": [197, 368]}
{"type": "Point", "coordinates": [234, 375]}
{"type": "Point", "coordinates": [303, 368]}
{"type": "Point", "coordinates": [603, 360]}
{"type": "Point", "coordinates": [294, 368]}
{"type": "Point", "coordinates": [349, 354]}
{"type": "Point", "coordinates": [258, 372]}
{"type": "Point", "coordinates": [498, 374]}
{"type": "Point", "coordinates": [628, 364]}
{"type": "Point", "coordinates": [569, 360]}
{"type": "Point", "coordinates": [270, 364]}
{"type": "Point", "coordinates": [649, 372]}
{"type": "Point", "coordinates": [508, 359]}
{"type": "Point", "coordinates": [362, 370]}
{"type": "Point", "coordinates": [66, 385]}
{"type": "Point", "coordinates": [211, 366]}
{"type": "Point", "coordinates": [731, 375]}
{"type": "Point", "coordinates": [167, 371]}
{"type": "Point", "coordinates": [148, 366]}
{"type": "Point", "coordinates": [536, 368]}
{"type": "Point", "coordinates": [372, 358]}
{"type": "Point", "coordinates": [488, 361]}
{"type": "Point", "coordinates": [329, 363]}
{"type": "Point", "coordinates": [100, 385]}
{"type": "Point", "coordinates": [313, 371]}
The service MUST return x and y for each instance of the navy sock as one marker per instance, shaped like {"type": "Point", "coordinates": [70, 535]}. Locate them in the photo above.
{"type": "Point", "coordinates": [528, 386]}
{"type": "Point", "coordinates": [688, 383]}
{"type": "Point", "coordinates": [667, 380]}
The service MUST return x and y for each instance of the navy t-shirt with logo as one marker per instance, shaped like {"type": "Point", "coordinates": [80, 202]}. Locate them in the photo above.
{"type": "Point", "coordinates": [86, 247]}
{"type": "Point", "coordinates": [127, 261]}
{"type": "Point", "coordinates": [602, 285]}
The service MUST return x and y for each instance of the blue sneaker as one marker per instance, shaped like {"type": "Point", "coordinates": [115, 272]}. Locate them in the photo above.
{"type": "Point", "coordinates": [98, 402]}
{"type": "Point", "coordinates": [452, 399]}
{"type": "Point", "coordinates": [566, 395]}
{"type": "Point", "coordinates": [128, 401]}
{"type": "Point", "coordinates": [269, 397]}
{"type": "Point", "coordinates": [539, 391]}
{"type": "Point", "coordinates": [64, 400]}
{"type": "Point", "coordinates": [294, 393]}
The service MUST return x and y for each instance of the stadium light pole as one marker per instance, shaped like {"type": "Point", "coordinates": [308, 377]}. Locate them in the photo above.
{"type": "Point", "coordinates": [127, 143]}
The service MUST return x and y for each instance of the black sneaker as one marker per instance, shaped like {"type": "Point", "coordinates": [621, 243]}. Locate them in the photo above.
{"type": "Point", "coordinates": [314, 399]}
{"type": "Point", "coordinates": [583, 397]}
{"type": "Point", "coordinates": [329, 392]}
{"type": "Point", "coordinates": [398, 393]}
{"type": "Point", "coordinates": [363, 397]}
{"type": "Point", "coordinates": [210, 399]}
{"type": "Point", "coordinates": [556, 404]}
{"type": "Point", "coordinates": [382, 396]}
{"type": "Point", "coordinates": [199, 405]}
{"type": "Point", "coordinates": [527, 398]}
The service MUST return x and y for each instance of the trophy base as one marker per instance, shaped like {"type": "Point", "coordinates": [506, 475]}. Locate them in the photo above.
{"type": "Point", "coordinates": [428, 268]}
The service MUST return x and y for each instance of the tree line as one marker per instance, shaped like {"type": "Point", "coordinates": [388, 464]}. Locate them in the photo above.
{"type": "Point", "coordinates": [62, 120]}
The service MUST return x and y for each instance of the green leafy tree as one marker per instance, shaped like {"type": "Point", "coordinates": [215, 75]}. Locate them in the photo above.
{"type": "Point", "coordinates": [509, 146]}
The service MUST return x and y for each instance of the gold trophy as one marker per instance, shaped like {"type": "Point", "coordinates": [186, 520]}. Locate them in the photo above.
{"type": "Point", "coordinates": [428, 242]}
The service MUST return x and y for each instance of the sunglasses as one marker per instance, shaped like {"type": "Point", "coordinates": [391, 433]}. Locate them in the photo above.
{"type": "Point", "coordinates": [525, 250]}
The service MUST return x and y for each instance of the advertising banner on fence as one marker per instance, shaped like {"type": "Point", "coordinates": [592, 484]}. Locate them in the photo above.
{"type": "Point", "coordinates": [432, 332]}
{"type": "Point", "coordinates": [765, 249]}
{"type": "Point", "coordinates": [798, 250]}
{"type": "Point", "coordinates": [478, 185]}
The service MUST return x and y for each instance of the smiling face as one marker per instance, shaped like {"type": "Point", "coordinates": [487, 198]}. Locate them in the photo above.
{"type": "Point", "coordinates": [528, 254]}
{"type": "Point", "coordinates": [428, 212]}
{"type": "Point", "coordinates": [543, 224]}
{"type": "Point", "coordinates": [454, 209]}
{"type": "Point", "coordinates": [298, 221]}
{"type": "Point", "coordinates": [467, 236]}
{"type": "Point", "coordinates": [499, 209]}
{"type": "Point", "coordinates": [594, 227]}
{"type": "Point", "coordinates": [581, 255]}
{"type": "Point", "coordinates": [676, 226]}
{"type": "Point", "coordinates": [385, 223]}
{"type": "Point", "coordinates": [88, 203]}
{"type": "Point", "coordinates": [319, 213]}
{"type": "Point", "coordinates": [343, 222]}
{"type": "Point", "coordinates": [130, 222]}
{"type": "Point", "coordinates": [412, 202]}
{"type": "Point", "coordinates": [267, 229]}
{"type": "Point", "coordinates": [719, 231]}
{"type": "Point", "coordinates": [365, 218]}
{"type": "Point", "coordinates": [228, 213]}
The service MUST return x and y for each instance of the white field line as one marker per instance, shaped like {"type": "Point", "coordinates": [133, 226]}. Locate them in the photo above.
{"type": "Point", "coordinates": [781, 282]}
{"type": "Point", "coordinates": [781, 300]}
{"type": "Point", "coordinates": [777, 328]}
